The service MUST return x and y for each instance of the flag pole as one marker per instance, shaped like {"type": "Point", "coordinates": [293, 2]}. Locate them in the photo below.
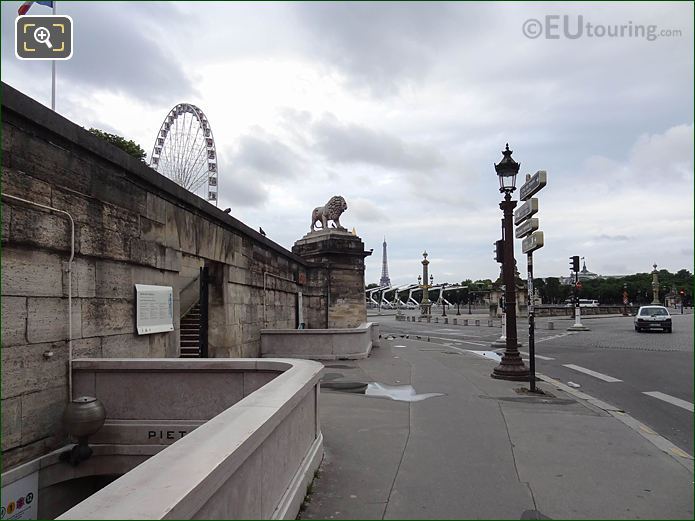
{"type": "Point", "coordinates": [53, 74]}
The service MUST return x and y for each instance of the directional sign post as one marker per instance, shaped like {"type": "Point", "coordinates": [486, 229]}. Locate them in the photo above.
{"type": "Point", "coordinates": [533, 185]}
{"type": "Point", "coordinates": [526, 210]}
{"type": "Point", "coordinates": [527, 229]}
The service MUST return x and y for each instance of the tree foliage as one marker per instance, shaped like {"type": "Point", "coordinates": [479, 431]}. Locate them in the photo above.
{"type": "Point", "coordinates": [610, 290]}
{"type": "Point", "coordinates": [129, 146]}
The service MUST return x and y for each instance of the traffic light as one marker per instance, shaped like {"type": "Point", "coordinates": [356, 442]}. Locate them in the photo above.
{"type": "Point", "coordinates": [682, 292]}
{"type": "Point", "coordinates": [499, 251]}
{"type": "Point", "coordinates": [574, 263]}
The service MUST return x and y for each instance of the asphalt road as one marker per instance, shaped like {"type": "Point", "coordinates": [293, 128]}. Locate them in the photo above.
{"type": "Point", "coordinates": [622, 364]}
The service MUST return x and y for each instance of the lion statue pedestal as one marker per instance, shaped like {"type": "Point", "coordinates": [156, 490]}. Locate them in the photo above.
{"type": "Point", "coordinates": [341, 255]}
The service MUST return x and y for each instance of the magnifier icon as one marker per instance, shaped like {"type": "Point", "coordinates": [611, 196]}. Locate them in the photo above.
{"type": "Point", "coordinates": [42, 35]}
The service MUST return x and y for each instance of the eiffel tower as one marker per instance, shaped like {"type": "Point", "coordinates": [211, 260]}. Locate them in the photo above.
{"type": "Point", "coordinates": [385, 280]}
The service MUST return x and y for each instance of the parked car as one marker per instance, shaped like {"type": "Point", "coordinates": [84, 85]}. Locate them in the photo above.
{"type": "Point", "coordinates": [653, 317]}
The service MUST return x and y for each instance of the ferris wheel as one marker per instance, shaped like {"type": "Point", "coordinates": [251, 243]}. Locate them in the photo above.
{"type": "Point", "coordinates": [184, 151]}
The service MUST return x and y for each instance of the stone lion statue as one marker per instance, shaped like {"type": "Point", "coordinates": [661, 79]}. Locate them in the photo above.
{"type": "Point", "coordinates": [330, 212]}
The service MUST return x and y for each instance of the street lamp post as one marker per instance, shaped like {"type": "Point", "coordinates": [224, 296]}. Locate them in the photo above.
{"type": "Point", "coordinates": [511, 367]}
{"type": "Point", "coordinates": [425, 305]}
{"type": "Point", "coordinates": [655, 286]}
{"type": "Point", "coordinates": [625, 299]}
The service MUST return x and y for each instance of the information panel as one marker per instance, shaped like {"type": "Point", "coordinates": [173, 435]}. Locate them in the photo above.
{"type": "Point", "coordinates": [20, 499]}
{"type": "Point", "coordinates": [154, 308]}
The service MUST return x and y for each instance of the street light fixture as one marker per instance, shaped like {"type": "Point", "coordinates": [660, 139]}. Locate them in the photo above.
{"type": "Point", "coordinates": [425, 305]}
{"type": "Point", "coordinates": [511, 367]}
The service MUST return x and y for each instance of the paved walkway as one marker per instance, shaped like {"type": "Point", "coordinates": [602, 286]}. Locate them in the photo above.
{"type": "Point", "coordinates": [485, 449]}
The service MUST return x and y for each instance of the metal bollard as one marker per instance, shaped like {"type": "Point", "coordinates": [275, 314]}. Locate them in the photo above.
{"type": "Point", "coordinates": [456, 322]}
{"type": "Point", "coordinates": [465, 321]}
{"type": "Point", "coordinates": [429, 319]}
{"type": "Point", "coordinates": [436, 320]}
{"type": "Point", "coordinates": [446, 320]}
{"type": "Point", "coordinates": [551, 325]}
{"type": "Point", "coordinates": [477, 322]}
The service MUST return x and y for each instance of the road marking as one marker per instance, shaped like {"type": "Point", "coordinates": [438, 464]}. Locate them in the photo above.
{"type": "Point", "coordinates": [537, 356]}
{"type": "Point", "coordinates": [561, 335]}
{"type": "Point", "coordinates": [671, 399]}
{"type": "Point", "coordinates": [584, 370]}
{"type": "Point", "coordinates": [457, 340]}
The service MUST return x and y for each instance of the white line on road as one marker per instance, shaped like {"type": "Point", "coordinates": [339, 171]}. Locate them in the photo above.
{"type": "Point", "coordinates": [584, 370]}
{"type": "Point", "coordinates": [457, 340]}
{"type": "Point", "coordinates": [671, 399]}
{"type": "Point", "coordinates": [537, 356]}
{"type": "Point", "coordinates": [561, 335]}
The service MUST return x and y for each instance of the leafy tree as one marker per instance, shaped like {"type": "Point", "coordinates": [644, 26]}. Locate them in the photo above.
{"type": "Point", "coordinates": [372, 285]}
{"type": "Point", "coordinates": [129, 146]}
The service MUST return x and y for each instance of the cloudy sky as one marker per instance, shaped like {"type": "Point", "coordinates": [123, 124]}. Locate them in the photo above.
{"type": "Point", "coordinates": [403, 109]}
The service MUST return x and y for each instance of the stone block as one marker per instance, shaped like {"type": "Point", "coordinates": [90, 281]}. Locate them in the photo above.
{"type": "Point", "coordinates": [47, 319]}
{"type": "Point", "coordinates": [113, 280]}
{"type": "Point", "coordinates": [31, 273]}
{"type": "Point", "coordinates": [14, 321]}
{"type": "Point", "coordinates": [87, 348]}
{"type": "Point", "coordinates": [45, 365]}
{"type": "Point", "coordinates": [147, 253]}
{"type": "Point", "coordinates": [172, 260]}
{"type": "Point", "coordinates": [126, 346]}
{"type": "Point", "coordinates": [41, 228]}
{"type": "Point", "coordinates": [6, 220]}
{"type": "Point", "coordinates": [102, 317]}
{"type": "Point", "coordinates": [155, 208]}
{"type": "Point", "coordinates": [12, 371]}
{"type": "Point", "coordinates": [152, 231]}
{"type": "Point", "coordinates": [11, 423]}
{"type": "Point", "coordinates": [159, 343]}
{"type": "Point", "coordinates": [42, 413]}
{"type": "Point", "coordinates": [25, 186]}
{"type": "Point", "coordinates": [102, 242]}
{"type": "Point", "coordinates": [83, 278]}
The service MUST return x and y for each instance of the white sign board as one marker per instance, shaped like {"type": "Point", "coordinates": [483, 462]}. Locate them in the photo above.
{"type": "Point", "coordinates": [532, 242]}
{"type": "Point", "coordinates": [154, 308]}
{"type": "Point", "coordinates": [20, 499]}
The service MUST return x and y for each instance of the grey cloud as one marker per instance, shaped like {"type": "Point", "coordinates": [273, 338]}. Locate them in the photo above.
{"type": "Point", "coordinates": [116, 49]}
{"type": "Point", "coordinates": [350, 143]}
{"type": "Point", "coordinates": [380, 44]}
{"type": "Point", "coordinates": [613, 238]}
{"type": "Point", "coordinates": [364, 210]}
{"type": "Point", "coordinates": [266, 157]}
{"type": "Point", "coordinates": [241, 190]}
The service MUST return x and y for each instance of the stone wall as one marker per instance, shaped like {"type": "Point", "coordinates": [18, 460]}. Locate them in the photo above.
{"type": "Point", "coordinates": [132, 225]}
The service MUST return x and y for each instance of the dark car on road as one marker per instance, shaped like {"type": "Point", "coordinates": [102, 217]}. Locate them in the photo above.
{"type": "Point", "coordinates": [653, 317]}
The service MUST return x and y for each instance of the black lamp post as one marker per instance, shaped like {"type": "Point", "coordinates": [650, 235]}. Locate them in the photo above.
{"type": "Point", "coordinates": [511, 367]}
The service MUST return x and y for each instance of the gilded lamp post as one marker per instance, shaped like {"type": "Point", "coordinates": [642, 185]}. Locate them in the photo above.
{"type": "Point", "coordinates": [655, 286]}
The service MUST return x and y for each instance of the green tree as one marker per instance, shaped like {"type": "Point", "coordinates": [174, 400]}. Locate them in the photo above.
{"type": "Point", "coordinates": [128, 146]}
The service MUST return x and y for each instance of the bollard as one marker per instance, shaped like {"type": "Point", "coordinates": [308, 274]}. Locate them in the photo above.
{"type": "Point", "coordinates": [551, 325]}
{"type": "Point", "coordinates": [429, 319]}
{"type": "Point", "coordinates": [489, 322]}
{"type": "Point", "coordinates": [456, 322]}
{"type": "Point", "coordinates": [477, 322]}
{"type": "Point", "coordinates": [446, 320]}
{"type": "Point", "coordinates": [465, 321]}
{"type": "Point", "coordinates": [436, 320]}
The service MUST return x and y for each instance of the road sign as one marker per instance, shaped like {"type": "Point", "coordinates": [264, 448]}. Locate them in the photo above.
{"type": "Point", "coordinates": [533, 185]}
{"type": "Point", "coordinates": [526, 228]}
{"type": "Point", "coordinates": [526, 210]}
{"type": "Point", "coordinates": [532, 242]}
{"type": "Point", "coordinates": [579, 284]}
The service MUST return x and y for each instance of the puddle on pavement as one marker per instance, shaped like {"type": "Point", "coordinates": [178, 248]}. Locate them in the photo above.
{"type": "Point", "coordinates": [400, 393]}
{"type": "Point", "coordinates": [491, 355]}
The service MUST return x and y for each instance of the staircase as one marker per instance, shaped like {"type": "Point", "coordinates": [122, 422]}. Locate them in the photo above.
{"type": "Point", "coordinates": [190, 333]}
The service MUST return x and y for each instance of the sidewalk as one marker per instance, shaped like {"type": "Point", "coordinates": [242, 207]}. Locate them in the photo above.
{"type": "Point", "coordinates": [483, 450]}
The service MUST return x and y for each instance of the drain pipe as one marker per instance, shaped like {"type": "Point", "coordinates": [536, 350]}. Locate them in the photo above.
{"type": "Point", "coordinates": [69, 271]}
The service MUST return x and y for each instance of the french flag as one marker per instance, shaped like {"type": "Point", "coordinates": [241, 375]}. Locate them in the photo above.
{"type": "Point", "coordinates": [24, 8]}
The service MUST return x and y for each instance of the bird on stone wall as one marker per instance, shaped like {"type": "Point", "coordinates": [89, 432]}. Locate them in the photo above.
{"type": "Point", "coordinates": [260, 230]}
